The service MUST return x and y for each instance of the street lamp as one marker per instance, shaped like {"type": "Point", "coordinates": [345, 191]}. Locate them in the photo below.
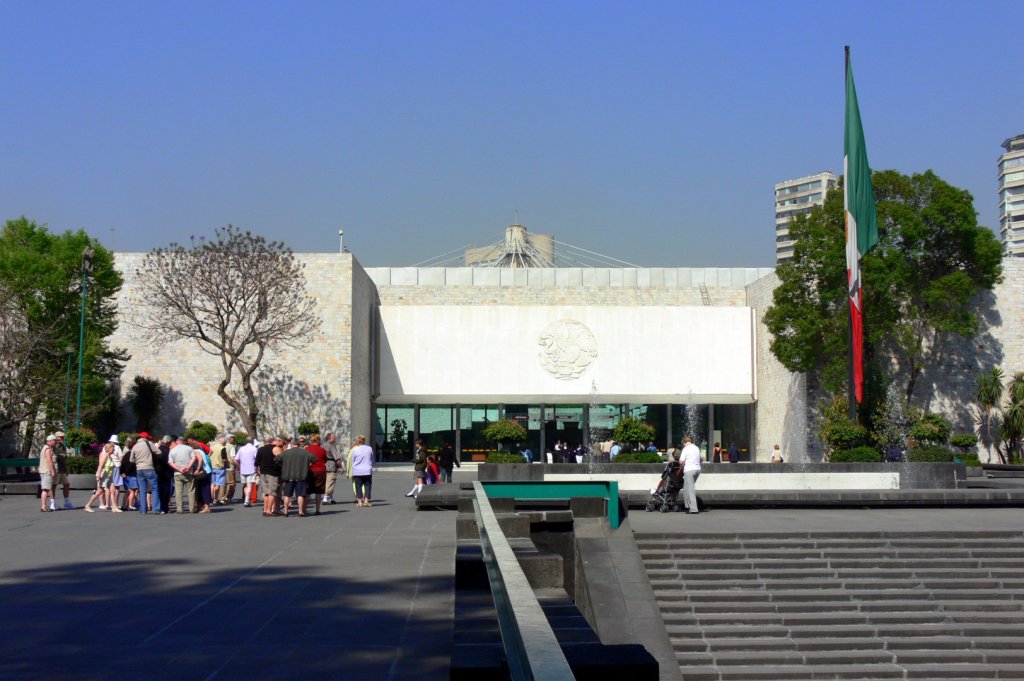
{"type": "Point", "coordinates": [87, 254]}
{"type": "Point", "coordinates": [68, 350]}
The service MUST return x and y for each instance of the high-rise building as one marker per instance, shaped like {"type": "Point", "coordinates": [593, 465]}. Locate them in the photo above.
{"type": "Point", "coordinates": [794, 197]}
{"type": "Point", "coordinates": [1011, 196]}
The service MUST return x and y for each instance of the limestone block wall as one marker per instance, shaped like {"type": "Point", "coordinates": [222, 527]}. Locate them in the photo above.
{"type": "Point", "coordinates": [562, 286]}
{"type": "Point", "coordinates": [780, 413]}
{"type": "Point", "coordinates": [310, 384]}
{"type": "Point", "coordinates": [949, 385]}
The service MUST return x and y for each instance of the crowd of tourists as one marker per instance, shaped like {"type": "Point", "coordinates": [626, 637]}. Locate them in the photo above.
{"type": "Point", "coordinates": [295, 476]}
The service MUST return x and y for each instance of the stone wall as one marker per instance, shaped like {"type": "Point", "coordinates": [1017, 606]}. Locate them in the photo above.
{"type": "Point", "coordinates": [314, 383]}
{"type": "Point", "coordinates": [780, 413]}
{"type": "Point", "coordinates": [563, 286]}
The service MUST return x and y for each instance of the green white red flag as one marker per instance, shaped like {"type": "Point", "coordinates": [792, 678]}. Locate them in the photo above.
{"type": "Point", "coordinates": [861, 224]}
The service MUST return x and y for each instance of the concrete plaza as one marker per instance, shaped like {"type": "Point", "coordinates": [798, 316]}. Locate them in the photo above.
{"type": "Point", "coordinates": [353, 594]}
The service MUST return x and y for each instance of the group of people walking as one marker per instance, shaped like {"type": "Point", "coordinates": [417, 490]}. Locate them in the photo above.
{"type": "Point", "coordinates": [142, 475]}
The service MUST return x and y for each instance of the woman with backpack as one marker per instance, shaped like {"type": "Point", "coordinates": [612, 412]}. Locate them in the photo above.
{"type": "Point", "coordinates": [129, 473]}
{"type": "Point", "coordinates": [104, 472]}
{"type": "Point", "coordinates": [201, 469]}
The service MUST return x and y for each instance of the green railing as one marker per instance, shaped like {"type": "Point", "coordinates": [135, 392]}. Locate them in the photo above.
{"type": "Point", "coordinates": [530, 489]}
{"type": "Point", "coordinates": [531, 649]}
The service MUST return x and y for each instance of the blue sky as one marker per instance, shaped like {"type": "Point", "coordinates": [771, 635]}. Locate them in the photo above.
{"type": "Point", "coordinates": [653, 132]}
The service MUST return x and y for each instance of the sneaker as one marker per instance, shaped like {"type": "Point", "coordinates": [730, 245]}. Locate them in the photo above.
{"type": "Point", "coordinates": [247, 505]}
{"type": "Point", "coordinates": [328, 500]}
{"type": "Point", "coordinates": [68, 506]}
{"type": "Point", "coordinates": [103, 507]}
{"type": "Point", "coordinates": [53, 505]}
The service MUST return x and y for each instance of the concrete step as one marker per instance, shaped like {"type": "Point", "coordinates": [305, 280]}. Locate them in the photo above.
{"type": "Point", "coordinates": [849, 605]}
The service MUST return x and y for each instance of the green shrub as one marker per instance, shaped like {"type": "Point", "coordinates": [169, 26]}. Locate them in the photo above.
{"type": "Point", "coordinates": [82, 465]}
{"type": "Point", "coordinates": [125, 435]}
{"type": "Point", "coordinates": [857, 455]}
{"type": "Point", "coordinates": [638, 457]}
{"type": "Point", "coordinates": [505, 457]}
{"type": "Point", "coordinates": [633, 430]}
{"type": "Point", "coordinates": [931, 428]}
{"type": "Point", "coordinates": [932, 454]}
{"type": "Point", "coordinates": [964, 441]}
{"type": "Point", "coordinates": [308, 428]}
{"type": "Point", "coordinates": [76, 437]}
{"type": "Point", "coordinates": [241, 437]}
{"type": "Point", "coordinates": [504, 432]}
{"type": "Point", "coordinates": [204, 432]}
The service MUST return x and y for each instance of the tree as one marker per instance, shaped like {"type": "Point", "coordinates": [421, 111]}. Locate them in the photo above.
{"type": "Point", "coordinates": [146, 396]}
{"type": "Point", "coordinates": [201, 431]}
{"type": "Point", "coordinates": [41, 274]}
{"type": "Point", "coordinates": [24, 380]}
{"type": "Point", "coordinates": [504, 432]}
{"type": "Point", "coordinates": [1011, 427]}
{"type": "Point", "coordinates": [308, 428]}
{"type": "Point", "coordinates": [919, 281]}
{"type": "Point", "coordinates": [988, 392]}
{"type": "Point", "coordinates": [237, 296]}
{"type": "Point", "coordinates": [632, 430]}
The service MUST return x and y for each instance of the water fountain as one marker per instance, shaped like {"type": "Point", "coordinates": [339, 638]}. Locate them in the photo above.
{"type": "Point", "coordinates": [591, 430]}
{"type": "Point", "coordinates": [693, 420]}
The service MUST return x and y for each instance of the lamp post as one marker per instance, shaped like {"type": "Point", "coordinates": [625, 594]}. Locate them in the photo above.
{"type": "Point", "coordinates": [87, 254]}
{"type": "Point", "coordinates": [68, 350]}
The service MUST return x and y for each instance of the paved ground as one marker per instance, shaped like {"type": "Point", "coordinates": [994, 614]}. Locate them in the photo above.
{"type": "Point", "coordinates": [354, 594]}
{"type": "Point", "coordinates": [834, 520]}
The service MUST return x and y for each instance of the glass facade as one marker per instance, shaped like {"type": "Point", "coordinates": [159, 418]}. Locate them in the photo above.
{"type": "Point", "coordinates": [398, 426]}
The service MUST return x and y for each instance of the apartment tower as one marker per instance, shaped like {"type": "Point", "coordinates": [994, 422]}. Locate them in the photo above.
{"type": "Point", "coordinates": [794, 197]}
{"type": "Point", "coordinates": [1011, 196]}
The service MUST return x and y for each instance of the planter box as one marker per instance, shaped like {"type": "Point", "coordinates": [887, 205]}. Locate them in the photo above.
{"type": "Point", "coordinates": [82, 481]}
{"type": "Point", "coordinates": [725, 476]}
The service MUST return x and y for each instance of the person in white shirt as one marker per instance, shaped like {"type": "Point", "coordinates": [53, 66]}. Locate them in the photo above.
{"type": "Point", "coordinates": [691, 471]}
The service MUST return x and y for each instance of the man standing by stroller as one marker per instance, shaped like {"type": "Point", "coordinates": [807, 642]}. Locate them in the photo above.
{"type": "Point", "coordinates": [691, 471]}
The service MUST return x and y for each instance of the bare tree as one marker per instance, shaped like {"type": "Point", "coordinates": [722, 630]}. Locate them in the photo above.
{"type": "Point", "coordinates": [25, 380]}
{"type": "Point", "coordinates": [237, 296]}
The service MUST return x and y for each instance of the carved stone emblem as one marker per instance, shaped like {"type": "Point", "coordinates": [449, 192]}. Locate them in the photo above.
{"type": "Point", "coordinates": [567, 349]}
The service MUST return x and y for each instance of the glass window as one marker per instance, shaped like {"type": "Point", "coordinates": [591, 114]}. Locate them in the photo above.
{"type": "Point", "coordinates": [474, 419]}
{"type": "Point", "coordinates": [732, 426]}
{"type": "Point", "coordinates": [437, 425]}
{"type": "Point", "coordinates": [393, 432]}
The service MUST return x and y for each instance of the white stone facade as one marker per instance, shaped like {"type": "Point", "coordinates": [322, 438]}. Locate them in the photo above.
{"type": "Point", "coordinates": [343, 373]}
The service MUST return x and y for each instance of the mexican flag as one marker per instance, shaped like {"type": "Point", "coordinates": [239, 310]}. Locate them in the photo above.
{"type": "Point", "coordinates": [861, 224]}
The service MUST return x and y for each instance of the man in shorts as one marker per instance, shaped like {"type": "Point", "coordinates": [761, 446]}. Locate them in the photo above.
{"type": "Point", "coordinates": [294, 469]}
{"type": "Point", "coordinates": [245, 465]}
{"type": "Point", "coordinates": [219, 462]}
{"type": "Point", "coordinates": [268, 466]}
{"type": "Point", "coordinates": [46, 474]}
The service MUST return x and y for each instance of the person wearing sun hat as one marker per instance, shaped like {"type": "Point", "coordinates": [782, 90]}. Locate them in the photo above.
{"type": "Point", "coordinates": [142, 456]}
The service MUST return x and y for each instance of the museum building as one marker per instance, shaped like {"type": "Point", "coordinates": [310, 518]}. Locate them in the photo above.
{"type": "Point", "coordinates": [439, 352]}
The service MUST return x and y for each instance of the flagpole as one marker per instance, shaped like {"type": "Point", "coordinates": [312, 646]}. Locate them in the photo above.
{"type": "Point", "coordinates": [851, 375]}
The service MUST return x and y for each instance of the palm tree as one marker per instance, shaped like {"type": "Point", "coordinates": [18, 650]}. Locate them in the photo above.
{"type": "Point", "coordinates": [989, 392]}
{"type": "Point", "coordinates": [1012, 428]}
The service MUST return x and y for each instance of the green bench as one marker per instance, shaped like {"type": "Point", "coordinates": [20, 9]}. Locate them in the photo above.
{"type": "Point", "coordinates": [19, 463]}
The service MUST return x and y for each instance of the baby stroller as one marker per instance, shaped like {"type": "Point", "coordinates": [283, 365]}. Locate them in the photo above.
{"type": "Point", "coordinates": [663, 498]}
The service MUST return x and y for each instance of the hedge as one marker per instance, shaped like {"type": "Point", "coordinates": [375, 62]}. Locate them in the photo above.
{"type": "Point", "coordinates": [638, 457]}
{"type": "Point", "coordinates": [856, 455]}
{"type": "Point", "coordinates": [932, 454]}
{"type": "Point", "coordinates": [505, 457]}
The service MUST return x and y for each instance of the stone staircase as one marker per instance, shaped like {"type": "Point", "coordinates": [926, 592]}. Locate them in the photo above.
{"type": "Point", "coordinates": [834, 605]}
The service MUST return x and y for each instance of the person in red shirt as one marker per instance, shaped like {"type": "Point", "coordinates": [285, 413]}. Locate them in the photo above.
{"type": "Point", "coordinates": [316, 481]}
